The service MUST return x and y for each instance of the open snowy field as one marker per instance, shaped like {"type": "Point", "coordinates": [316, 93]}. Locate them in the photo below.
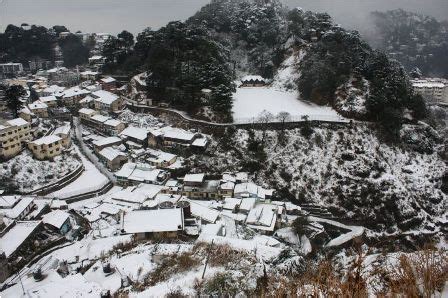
{"type": "Point", "coordinates": [249, 102]}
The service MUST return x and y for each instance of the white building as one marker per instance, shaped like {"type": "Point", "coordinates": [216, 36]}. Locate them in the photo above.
{"type": "Point", "coordinates": [433, 90]}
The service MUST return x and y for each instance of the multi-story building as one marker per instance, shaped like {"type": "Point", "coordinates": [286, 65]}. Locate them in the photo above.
{"type": "Point", "coordinates": [13, 134]}
{"type": "Point", "coordinates": [433, 90]}
{"type": "Point", "coordinates": [106, 101]}
{"type": "Point", "coordinates": [10, 69]}
{"type": "Point", "coordinates": [64, 133]}
{"type": "Point", "coordinates": [46, 147]}
{"type": "Point", "coordinates": [39, 109]}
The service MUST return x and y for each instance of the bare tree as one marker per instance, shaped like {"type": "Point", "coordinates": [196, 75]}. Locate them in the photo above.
{"type": "Point", "coordinates": [264, 118]}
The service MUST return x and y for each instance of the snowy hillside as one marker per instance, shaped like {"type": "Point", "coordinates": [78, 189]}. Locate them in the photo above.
{"type": "Point", "coordinates": [349, 172]}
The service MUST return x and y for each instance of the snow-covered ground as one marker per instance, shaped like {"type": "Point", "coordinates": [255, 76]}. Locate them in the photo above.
{"type": "Point", "coordinates": [91, 179]}
{"type": "Point", "coordinates": [250, 102]}
{"type": "Point", "coordinates": [27, 173]}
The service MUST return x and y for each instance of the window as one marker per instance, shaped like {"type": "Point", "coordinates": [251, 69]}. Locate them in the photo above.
{"type": "Point", "coordinates": [51, 152]}
{"type": "Point", "coordinates": [35, 147]}
{"type": "Point", "coordinates": [51, 145]}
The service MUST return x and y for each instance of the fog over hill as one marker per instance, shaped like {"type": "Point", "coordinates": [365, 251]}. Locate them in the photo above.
{"type": "Point", "coordinates": [134, 15]}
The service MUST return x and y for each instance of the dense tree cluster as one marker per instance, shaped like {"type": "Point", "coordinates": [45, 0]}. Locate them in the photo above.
{"type": "Point", "coordinates": [73, 50]}
{"type": "Point", "coordinates": [417, 41]}
{"type": "Point", "coordinates": [335, 55]}
{"type": "Point", "coordinates": [23, 44]}
{"type": "Point", "coordinates": [256, 28]}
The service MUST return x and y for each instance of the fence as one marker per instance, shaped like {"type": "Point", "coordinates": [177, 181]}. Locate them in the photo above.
{"type": "Point", "coordinates": [69, 178]}
{"type": "Point", "coordinates": [242, 121]}
{"type": "Point", "coordinates": [81, 191]}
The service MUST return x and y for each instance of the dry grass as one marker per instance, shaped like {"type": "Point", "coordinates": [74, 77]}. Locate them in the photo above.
{"type": "Point", "coordinates": [422, 274]}
{"type": "Point", "coordinates": [419, 275]}
{"type": "Point", "coordinates": [221, 254]}
{"type": "Point", "coordinates": [170, 266]}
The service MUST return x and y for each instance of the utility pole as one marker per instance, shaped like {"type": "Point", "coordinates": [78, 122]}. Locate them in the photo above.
{"type": "Point", "coordinates": [206, 260]}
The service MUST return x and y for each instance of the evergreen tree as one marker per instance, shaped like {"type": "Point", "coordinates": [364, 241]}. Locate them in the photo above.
{"type": "Point", "coordinates": [14, 93]}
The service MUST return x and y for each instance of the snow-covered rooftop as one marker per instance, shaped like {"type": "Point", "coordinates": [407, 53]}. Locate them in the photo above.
{"type": "Point", "coordinates": [49, 98]}
{"type": "Point", "coordinates": [111, 153]}
{"type": "Point", "coordinates": [17, 122]}
{"type": "Point", "coordinates": [74, 91]}
{"type": "Point", "coordinates": [37, 105]}
{"type": "Point", "coordinates": [56, 218]}
{"type": "Point", "coordinates": [99, 118]}
{"type": "Point", "coordinates": [106, 141]}
{"type": "Point", "coordinates": [108, 80]}
{"type": "Point", "coordinates": [113, 122]}
{"type": "Point", "coordinates": [62, 130]}
{"type": "Point", "coordinates": [46, 140]}
{"type": "Point", "coordinates": [195, 178]}
{"type": "Point", "coordinates": [104, 96]}
{"type": "Point", "coordinates": [249, 78]}
{"type": "Point", "coordinates": [86, 111]}
{"type": "Point", "coordinates": [16, 236]}
{"type": "Point", "coordinates": [160, 220]}
{"type": "Point", "coordinates": [135, 132]}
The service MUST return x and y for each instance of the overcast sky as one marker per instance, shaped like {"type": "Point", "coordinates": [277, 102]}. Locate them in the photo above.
{"type": "Point", "coordinates": [135, 15]}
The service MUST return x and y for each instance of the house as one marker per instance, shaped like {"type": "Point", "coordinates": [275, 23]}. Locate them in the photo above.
{"type": "Point", "coordinates": [108, 83]}
{"type": "Point", "coordinates": [154, 224]}
{"type": "Point", "coordinates": [251, 190]}
{"type": "Point", "coordinates": [98, 121]}
{"type": "Point", "coordinates": [64, 133]}
{"type": "Point", "coordinates": [87, 102]}
{"type": "Point", "coordinates": [17, 236]}
{"type": "Point", "coordinates": [11, 69]}
{"type": "Point", "coordinates": [102, 143]}
{"type": "Point", "coordinates": [26, 114]}
{"type": "Point", "coordinates": [160, 159]}
{"type": "Point", "coordinates": [19, 209]}
{"type": "Point", "coordinates": [73, 95]}
{"type": "Point", "coordinates": [135, 196]}
{"type": "Point", "coordinates": [12, 134]}
{"type": "Point", "coordinates": [175, 136]}
{"type": "Point", "coordinates": [39, 109]}
{"type": "Point", "coordinates": [97, 60]}
{"type": "Point", "coordinates": [225, 189]}
{"type": "Point", "coordinates": [253, 81]}
{"type": "Point", "coordinates": [263, 218]}
{"type": "Point", "coordinates": [194, 179]}
{"type": "Point", "coordinates": [51, 101]}
{"type": "Point", "coordinates": [85, 114]}
{"type": "Point", "coordinates": [113, 127]}
{"type": "Point", "coordinates": [434, 90]}
{"type": "Point", "coordinates": [136, 135]}
{"type": "Point", "coordinates": [107, 101]}
{"type": "Point", "coordinates": [131, 174]}
{"type": "Point", "coordinates": [89, 75]}
{"type": "Point", "coordinates": [46, 147]}
{"type": "Point", "coordinates": [200, 143]}
{"type": "Point", "coordinates": [52, 90]}
{"type": "Point", "coordinates": [113, 158]}
{"type": "Point", "coordinates": [232, 204]}
{"type": "Point", "coordinates": [195, 187]}
{"type": "Point", "coordinates": [58, 220]}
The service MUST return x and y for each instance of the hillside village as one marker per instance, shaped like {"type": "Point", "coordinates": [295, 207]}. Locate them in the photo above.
{"type": "Point", "coordinates": [107, 191]}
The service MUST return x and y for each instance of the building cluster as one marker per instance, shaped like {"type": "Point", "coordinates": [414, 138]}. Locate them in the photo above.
{"type": "Point", "coordinates": [27, 224]}
{"type": "Point", "coordinates": [16, 134]}
{"type": "Point", "coordinates": [434, 90]}
{"type": "Point", "coordinates": [160, 208]}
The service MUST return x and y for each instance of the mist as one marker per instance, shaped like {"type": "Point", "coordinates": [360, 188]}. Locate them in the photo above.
{"type": "Point", "coordinates": [134, 15]}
